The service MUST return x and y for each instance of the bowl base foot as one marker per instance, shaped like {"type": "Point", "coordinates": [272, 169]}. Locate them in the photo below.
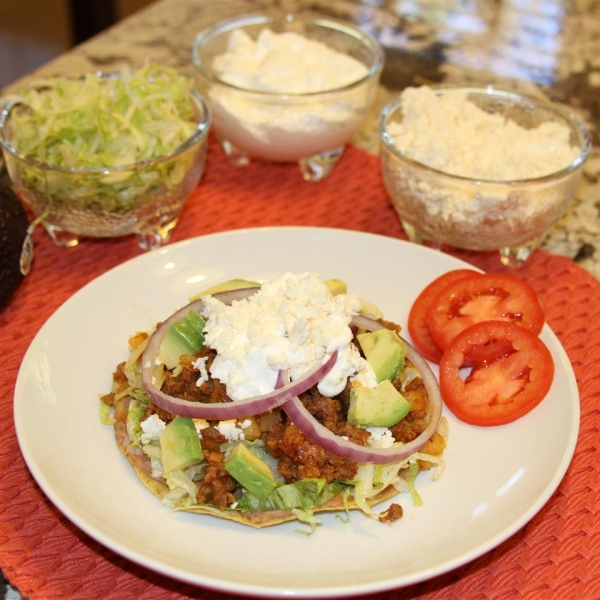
{"type": "Point", "coordinates": [418, 238]}
{"type": "Point", "coordinates": [516, 256]}
{"type": "Point", "coordinates": [511, 256]}
{"type": "Point", "coordinates": [313, 168]}
{"type": "Point", "coordinates": [319, 166]}
{"type": "Point", "coordinates": [155, 237]}
{"type": "Point", "coordinates": [150, 238]}
{"type": "Point", "coordinates": [62, 238]}
{"type": "Point", "coordinates": [235, 156]}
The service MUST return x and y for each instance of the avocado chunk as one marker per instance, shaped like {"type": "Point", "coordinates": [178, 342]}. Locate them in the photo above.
{"type": "Point", "coordinates": [336, 286]}
{"type": "Point", "coordinates": [381, 406]}
{"type": "Point", "coordinates": [180, 446]}
{"type": "Point", "coordinates": [368, 309]}
{"type": "Point", "coordinates": [185, 336]}
{"type": "Point", "coordinates": [250, 471]}
{"type": "Point", "coordinates": [385, 351]}
{"type": "Point", "coordinates": [226, 286]}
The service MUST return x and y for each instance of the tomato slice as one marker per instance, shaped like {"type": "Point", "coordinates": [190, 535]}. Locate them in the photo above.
{"type": "Point", "coordinates": [417, 318]}
{"type": "Point", "coordinates": [489, 297]}
{"type": "Point", "coordinates": [501, 391]}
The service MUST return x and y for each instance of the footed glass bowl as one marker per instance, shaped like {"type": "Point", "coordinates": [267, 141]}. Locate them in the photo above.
{"type": "Point", "coordinates": [311, 129]}
{"type": "Point", "coordinates": [510, 216]}
{"type": "Point", "coordinates": [144, 199]}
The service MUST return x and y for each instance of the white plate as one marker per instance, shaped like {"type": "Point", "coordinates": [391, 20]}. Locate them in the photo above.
{"type": "Point", "coordinates": [496, 479]}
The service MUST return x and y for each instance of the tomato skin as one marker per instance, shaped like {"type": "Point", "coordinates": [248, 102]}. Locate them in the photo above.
{"type": "Point", "coordinates": [490, 297]}
{"type": "Point", "coordinates": [504, 390]}
{"type": "Point", "coordinates": [418, 317]}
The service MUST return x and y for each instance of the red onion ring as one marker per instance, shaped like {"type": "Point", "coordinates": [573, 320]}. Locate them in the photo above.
{"type": "Point", "coordinates": [239, 409]}
{"type": "Point", "coordinates": [339, 446]}
{"type": "Point", "coordinates": [239, 294]}
{"type": "Point", "coordinates": [363, 322]}
{"type": "Point", "coordinates": [222, 411]}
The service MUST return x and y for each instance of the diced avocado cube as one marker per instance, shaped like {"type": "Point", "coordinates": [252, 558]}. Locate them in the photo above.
{"type": "Point", "coordinates": [185, 336]}
{"type": "Point", "coordinates": [226, 286]}
{"type": "Point", "coordinates": [385, 351]}
{"type": "Point", "coordinates": [382, 406]}
{"type": "Point", "coordinates": [180, 446]}
{"type": "Point", "coordinates": [369, 309]}
{"type": "Point", "coordinates": [336, 286]}
{"type": "Point", "coordinates": [250, 471]}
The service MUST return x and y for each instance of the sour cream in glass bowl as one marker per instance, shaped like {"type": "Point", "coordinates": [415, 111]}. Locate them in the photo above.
{"type": "Point", "coordinates": [480, 169]}
{"type": "Point", "coordinates": [287, 89]}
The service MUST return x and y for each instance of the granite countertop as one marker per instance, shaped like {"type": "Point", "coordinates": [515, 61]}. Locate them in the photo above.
{"type": "Point", "coordinates": [548, 49]}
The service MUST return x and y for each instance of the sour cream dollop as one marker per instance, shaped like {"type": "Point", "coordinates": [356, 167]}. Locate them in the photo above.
{"type": "Point", "coordinates": [291, 323]}
{"type": "Point", "coordinates": [286, 63]}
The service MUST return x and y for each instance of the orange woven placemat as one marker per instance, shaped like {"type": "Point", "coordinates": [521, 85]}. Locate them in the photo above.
{"type": "Point", "coordinates": [557, 555]}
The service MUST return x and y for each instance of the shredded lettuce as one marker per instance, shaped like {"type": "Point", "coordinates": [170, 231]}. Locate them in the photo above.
{"type": "Point", "coordinates": [134, 419]}
{"type": "Point", "coordinates": [371, 479]}
{"type": "Point", "coordinates": [97, 122]}
{"type": "Point", "coordinates": [413, 471]}
{"type": "Point", "coordinates": [177, 498]}
{"type": "Point", "coordinates": [179, 479]}
{"type": "Point", "coordinates": [305, 493]}
{"type": "Point", "coordinates": [306, 516]}
{"type": "Point", "coordinates": [106, 417]}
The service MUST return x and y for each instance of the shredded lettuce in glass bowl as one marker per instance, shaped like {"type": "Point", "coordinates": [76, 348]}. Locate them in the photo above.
{"type": "Point", "coordinates": [107, 155]}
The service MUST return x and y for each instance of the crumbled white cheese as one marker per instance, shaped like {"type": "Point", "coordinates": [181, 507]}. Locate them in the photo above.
{"type": "Point", "coordinates": [200, 365]}
{"type": "Point", "coordinates": [152, 429]}
{"type": "Point", "coordinates": [381, 437]}
{"type": "Point", "coordinates": [451, 133]}
{"type": "Point", "coordinates": [231, 430]}
{"type": "Point", "coordinates": [292, 323]}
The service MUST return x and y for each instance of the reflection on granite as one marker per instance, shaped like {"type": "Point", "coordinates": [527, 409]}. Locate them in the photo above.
{"type": "Point", "coordinates": [541, 47]}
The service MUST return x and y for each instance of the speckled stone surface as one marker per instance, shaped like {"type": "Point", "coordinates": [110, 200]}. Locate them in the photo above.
{"type": "Point", "coordinates": [548, 48]}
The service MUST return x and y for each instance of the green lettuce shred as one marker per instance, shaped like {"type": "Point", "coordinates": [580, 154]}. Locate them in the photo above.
{"type": "Point", "coordinates": [135, 415]}
{"type": "Point", "coordinates": [306, 516]}
{"type": "Point", "coordinates": [305, 493]}
{"type": "Point", "coordinates": [94, 121]}
{"type": "Point", "coordinates": [106, 417]}
{"type": "Point", "coordinates": [180, 480]}
{"type": "Point", "coordinates": [413, 471]}
{"type": "Point", "coordinates": [97, 123]}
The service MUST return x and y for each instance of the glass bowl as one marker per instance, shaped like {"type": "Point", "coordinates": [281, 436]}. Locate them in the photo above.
{"type": "Point", "coordinates": [509, 216]}
{"type": "Point", "coordinates": [309, 128]}
{"type": "Point", "coordinates": [144, 199]}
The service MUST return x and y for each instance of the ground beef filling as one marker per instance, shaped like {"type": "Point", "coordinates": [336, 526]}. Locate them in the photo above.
{"type": "Point", "coordinates": [393, 513]}
{"type": "Point", "coordinates": [217, 486]}
{"type": "Point", "coordinates": [300, 458]}
{"type": "Point", "coordinates": [185, 385]}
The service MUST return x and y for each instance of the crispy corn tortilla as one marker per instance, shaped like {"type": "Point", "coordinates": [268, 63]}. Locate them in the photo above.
{"type": "Point", "coordinates": [258, 519]}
